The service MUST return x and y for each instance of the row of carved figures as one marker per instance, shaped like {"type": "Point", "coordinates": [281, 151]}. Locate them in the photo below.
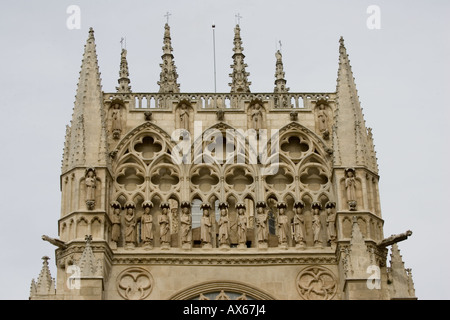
{"type": "Point", "coordinates": [284, 227]}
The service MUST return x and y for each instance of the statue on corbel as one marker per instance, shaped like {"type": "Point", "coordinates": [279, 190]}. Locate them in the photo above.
{"type": "Point", "coordinates": [316, 224]}
{"type": "Point", "coordinates": [164, 226]}
{"type": "Point", "coordinates": [299, 225]}
{"type": "Point", "coordinates": [323, 119]}
{"type": "Point", "coordinates": [262, 229]}
{"type": "Point", "coordinates": [241, 226]}
{"type": "Point", "coordinates": [115, 221]}
{"type": "Point", "coordinates": [350, 186]}
{"type": "Point", "coordinates": [130, 225]}
{"type": "Point", "coordinates": [331, 222]}
{"type": "Point", "coordinates": [147, 225]}
{"type": "Point", "coordinates": [186, 225]}
{"type": "Point", "coordinates": [224, 226]}
{"type": "Point", "coordinates": [205, 226]}
{"type": "Point", "coordinates": [282, 225]}
{"type": "Point", "coordinates": [116, 119]}
{"type": "Point", "coordinates": [90, 181]}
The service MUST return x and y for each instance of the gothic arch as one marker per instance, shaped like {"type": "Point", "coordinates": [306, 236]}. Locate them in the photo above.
{"type": "Point", "coordinates": [195, 291]}
{"type": "Point", "coordinates": [296, 128]}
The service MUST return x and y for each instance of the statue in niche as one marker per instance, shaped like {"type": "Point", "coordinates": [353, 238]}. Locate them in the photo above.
{"type": "Point", "coordinates": [316, 224]}
{"type": "Point", "coordinates": [90, 182]}
{"type": "Point", "coordinates": [256, 116]}
{"type": "Point", "coordinates": [115, 220]}
{"type": "Point", "coordinates": [147, 224]}
{"type": "Point", "coordinates": [299, 225]}
{"type": "Point", "coordinates": [261, 224]}
{"type": "Point", "coordinates": [164, 226]}
{"type": "Point", "coordinates": [130, 225]}
{"type": "Point", "coordinates": [116, 121]}
{"type": "Point", "coordinates": [282, 225]}
{"type": "Point", "coordinates": [350, 186]}
{"type": "Point", "coordinates": [224, 225]}
{"type": "Point", "coordinates": [241, 225]}
{"type": "Point", "coordinates": [184, 117]}
{"type": "Point", "coordinates": [205, 226]}
{"type": "Point", "coordinates": [186, 225]}
{"type": "Point", "coordinates": [331, 221]}
{"type": "Point", "coordinates": [173, 215]}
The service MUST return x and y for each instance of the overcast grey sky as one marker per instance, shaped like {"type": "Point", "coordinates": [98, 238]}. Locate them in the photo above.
{"type": "Point", "coordinates": [401, 71]}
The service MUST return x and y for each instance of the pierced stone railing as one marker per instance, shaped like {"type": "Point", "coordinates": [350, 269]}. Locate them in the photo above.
{"type": "Point", "coordinates": [140, 101]}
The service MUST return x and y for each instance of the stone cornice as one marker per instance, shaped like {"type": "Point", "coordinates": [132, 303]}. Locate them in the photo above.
{"type": "Point", "coordinates": [225, 258]}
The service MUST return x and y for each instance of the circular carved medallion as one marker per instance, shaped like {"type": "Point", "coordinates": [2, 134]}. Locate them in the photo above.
{"type": "Point", "coordinates": [316, 283]}
{"type": "Point", "coordinates": [134, 283]}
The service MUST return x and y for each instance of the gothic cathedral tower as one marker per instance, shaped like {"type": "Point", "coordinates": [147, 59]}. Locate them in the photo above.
{"type": "Point", "coordinates": [157, 186]}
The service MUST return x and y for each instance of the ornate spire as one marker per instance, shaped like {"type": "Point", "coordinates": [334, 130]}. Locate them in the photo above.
{"type": "Point", "coordinates": [168, 77]}
{"type": "Point", "coordinates": [124, 81]}
{"type": "Point", "coordinates": [358, 255]}
{"type": "Point", "coordinates": [45, 284]}
{"type": "Point", "coordinates": [280, 82]}
{"type": "Point", "coordinates": [239, 82]}
{"type": "Point", "coordinates": [349, 122]}
{"type": "Point", "coordinates": [88, 101]}
{"type": "Point", "coordinates": [89, 265]}
{"type": "Point", "coordinates": [88, 115]}
{"type": "Point", "coordinates": [401, 285]}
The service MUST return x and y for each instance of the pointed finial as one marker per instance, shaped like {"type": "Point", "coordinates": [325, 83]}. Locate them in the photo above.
{"type": "Point", "coordinates": [91, 32]}
{"type": "Point", "coordinates": [341, 41]}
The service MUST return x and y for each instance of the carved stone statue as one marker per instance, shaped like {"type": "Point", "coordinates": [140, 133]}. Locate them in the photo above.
{"type": "Point", "coordinates": [299, 225]}
{"type": "Point", "coordinates": [331, 221]}
{"type": "Point", "coordinates": [350, 186]}
{"type": "Point", "coordinates": [186, 225]}
{"type": "Point", "coordinates": [205, 226]}
{"type": "Point", "coordinates": [282, 225]}
{"type": "Point", "coordinates": [323, 121]}
{"type": "Point", "coordinates": [130, 225]}
{"type": "Point", "coordinates": [116, 121]}
{"type": "Point", "coordinates": [256, 116]}
{"type": "Point", "coordinates": [147, 224]}
{"type": "Point", "coordinates": [316, 224]}
{"type": "Point", "coordinates": [261, 224]}
{"type": "Point", "coordinates": [90, 182]}
{"type": "Point", "coordinates": [164, 226]}
{"type": "Point", "coordinates": [184, 117]}
{"type": "Point", "coordinates": [173, 215]}
{"type": "Point", "coordinates": [241, 225]}
{"type": "Point", "coordinates": [115, 220]}
{"type": "Point", "coordinates": [220, 115]}
{"type": "Point", "coordinates": [224, 226]}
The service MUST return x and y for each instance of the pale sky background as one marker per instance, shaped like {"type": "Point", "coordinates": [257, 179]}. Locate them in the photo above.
{"type": "Point", "coordinates": [401, 70]}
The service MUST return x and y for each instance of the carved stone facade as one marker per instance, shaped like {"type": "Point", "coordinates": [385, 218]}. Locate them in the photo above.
{"type": "Point", "coordinates": [211, 185]}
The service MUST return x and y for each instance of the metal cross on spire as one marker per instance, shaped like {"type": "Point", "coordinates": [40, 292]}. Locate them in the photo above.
{"type": "Point", "coordinates": [167, 15]}
{"type": "Point", "coordinates": [238, 18]}
{"type": "Point", "coordinates": [123, 43]}
{"type": "Point", "coordinates": [279, 41]}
